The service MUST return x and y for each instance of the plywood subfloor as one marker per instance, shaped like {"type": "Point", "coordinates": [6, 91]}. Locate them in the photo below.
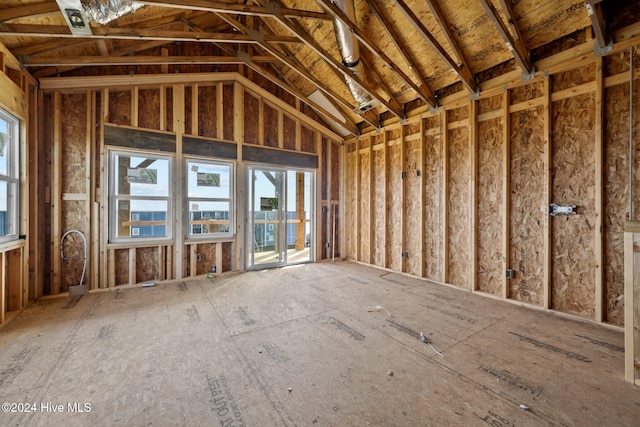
{"type": "Point", "coordinates": [330, 344]}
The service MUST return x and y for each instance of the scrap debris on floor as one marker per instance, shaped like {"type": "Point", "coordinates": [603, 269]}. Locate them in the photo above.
{"type": "Point", "coordinates": [328, 344]}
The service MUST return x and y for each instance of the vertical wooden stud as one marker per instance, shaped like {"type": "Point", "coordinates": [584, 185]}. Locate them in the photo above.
{"type": "Point", "coordinates": [163, 107]}
{"type": "Point", "coordinates": [220, 111]}
{"type": "Point", "coordinates": [193, 260]}
{"type": "Point", "coordinates": [329, 205]}
{"type": "Point", "coordinates": [241, 181]}
{"type": "Point", "coordinates": [56, 196]}
{"type": "Point", "coordinates": [403, 197]}
{"type": "Point", "coordinates": [445, 195]}
{"type": "Point", "coordinates": [195, 119]}
{"type": "Point", "coordinates": [135, 102]}
{"type": "Point", "coordinates": [546, 302]}
{"type": "Point", "coordinates": [371, 202]}
{"type": "Point", "coordinates": [316, 218]}
{"type": "Point", "coordinates": [599, 141]}
{"type": "Point", "coordinates": [280, 129]}
{"type": "Point", "coordinates": [3, 286]}
{"type": "Point", "coordinates": [261, 121]}
{"type": "Point", "coordinates": [132, 266]}
{"type": "Point", "coordinates": [218, 259]}
{"type": "Point", "coordinates": [506, 190]}
{"type": "Point", "coordinates": [385, 142]}
{"type": "Point", "coordinates": [423, 197]}
{"type": "Point", "coordinates": [178, 167]}
{"type": "Point", "coordinates": [473, 190]}
{"type": "Point", "coordinates": [106, 274]}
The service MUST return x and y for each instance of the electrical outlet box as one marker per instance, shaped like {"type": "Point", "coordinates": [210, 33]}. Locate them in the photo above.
{"type": "Point", "coordinates": [198, 257]}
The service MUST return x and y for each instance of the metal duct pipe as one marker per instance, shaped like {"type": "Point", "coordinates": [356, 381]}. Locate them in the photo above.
{"type": "Point", "coordinates": [350, 52]}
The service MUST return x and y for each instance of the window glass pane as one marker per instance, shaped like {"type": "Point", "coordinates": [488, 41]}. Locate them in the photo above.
{"type": "Point", "coordinates": [4, 147]}
{"type": "Point", "coordinates": [209, 217]}
{"type": "Point", "coordinates": [209, 181]}
{"type": "Point", "coordinates": [141, 176]}
{"type": "Point", "coordinates": [141, 218]}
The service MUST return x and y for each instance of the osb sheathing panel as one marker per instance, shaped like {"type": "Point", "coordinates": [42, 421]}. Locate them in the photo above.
{"type": "Point", "coordinates": [228, 106]}
{"type": "Point", "coordinates": [227, 256]}
{"type": "Point", "coordinates": [122, 266]}
{"type": "Point", "coordinates": [617, 63]}
{"type": "Point", "coordinates": [433, 200]}
{"type": "Point", "coordinates": [207, 111]}
{"type": "Point", "coordinates": [74, 217]}
{"type": "Point", "coordinates": [527, 92]}
{"type": "Point", "coordinates": [251, 112]}
{"type": "Point", "coordinates": [364, 221]}
{"type": "Point", "coordinates": [149, 108]}
{"type": "Point", "coordinates": [289, 133]}
{"type": "Point", "coordinates": [120, 107]}
{"type": "Point", "coordinates": [528, 206]}
{"type": "Point", "coordinates": [73, 138]}
{"type": "Point", "coordinates": [168, 106]}
{"type": "Point", "coordinates": [457, 114]}
{"type": "Point", "coordinates": [458, 209]}
{"type": "Point", "coordinates": [308, 143]}
{"type": "Point", "coordinates": [270, 126]}
{"type": "Point", "coordinates": [573, 183]}
{"type": "Point", "coordinates": [490, 208]}
{"type": "Point", "coordinates": [573, 78]}
{"type": "Point", "coordinates": [413, 199]}
{"type": "Point", "coordinates": [616, 198]}
{"type": "Point", "coordinates": [335, 171]}
{"type": "Point", "coordinates": [207, 253]}
{"type": "Point", "coordinates": [350, 192]}
{"type": "Point", "coordinates": [394, 198]}
{"type": "Point", "coordinates": [190, 128]}
{"type": "Point", "coordinates": [147, 264]}
{"type": "Point", "coordinates": [379, 212]}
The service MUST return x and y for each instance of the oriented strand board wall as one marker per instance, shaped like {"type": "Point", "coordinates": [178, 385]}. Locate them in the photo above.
{"type": "Point", "coordinates": [270, 126]}
{"type": "Point", "coordinates": [433, 199]}
{"type": "Point", "coordinates": [379, 213]}
{"type": "Point", "coordinates": [616, 198]}
{"type": "Point", "coordinates": [458, 206]}
{"type": "Point", "coordinates": [394, 198]}
{"type": "Point", "coordinates": [207, 111]}
{"type": "Point", "coordinates": [573, 183]}
{"type": "Point", "coordinates": [149, 108]}
{"type": "Point", "coordinates": [120, 107]}
{"type": "Point", "coordinates": [489, 197]}
{"type": "Point", "coordinates": [413, 198]}
{"type": "Point", "coordinates": [528, 207]}
{"type": "Point", "coordinates": [147, 264]}
{"type": "Point", "coordinates": [251, 109]}
{"type": "Point", "coordinates": [364, 219]}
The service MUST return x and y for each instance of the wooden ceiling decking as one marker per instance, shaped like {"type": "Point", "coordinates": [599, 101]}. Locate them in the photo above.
{"type": "Point", "coordinates": [411, 49]}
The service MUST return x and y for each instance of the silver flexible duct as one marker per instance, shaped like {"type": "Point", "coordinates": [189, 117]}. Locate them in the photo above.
{"type": "Point", "coordinates": [350, 52]}
{"type": "Point", "coordinates": [105, 11]}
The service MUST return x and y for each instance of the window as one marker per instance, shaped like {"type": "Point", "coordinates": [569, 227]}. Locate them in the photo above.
{"type": "Point", "coordinates": [209, 193]}
{"type": "Point", "coordinates": [9, 177]}
{"type": "Point", "coordinates": [139, 196]}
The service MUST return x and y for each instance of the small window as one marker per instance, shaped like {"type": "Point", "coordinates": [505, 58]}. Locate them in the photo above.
{"type": "Point", "coordinates": [9, 177]}
{"type": "Point", "coordinates": [210, 203]}
{"type": "Point", "coordinates": [139, 196]}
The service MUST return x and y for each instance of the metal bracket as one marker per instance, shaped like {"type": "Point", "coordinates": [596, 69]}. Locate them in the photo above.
{"type": "Point", "coordinates": [474, 95]}
{"type": "Point", "coordinates": [602, 51]}
{"type": "Point", "coordinates": [555, 210]}
{"type": "Point", "coordinates": [526, 76]}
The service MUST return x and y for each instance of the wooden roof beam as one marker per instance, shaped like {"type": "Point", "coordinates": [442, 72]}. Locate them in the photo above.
{"type": "Point", "coordinates": [52, 61]}
{"type": "Point", "coordinates": [29, 30]}
{"type": "Point", "coordinates": [598, 22]}
{"type": "Point", "coordinates": [517, 49]}
{"type": "Point", "coordinates": [422, 91]}
{"type": "Point", "coordinates": [463, 73]}
{"type": "Point", "coordinates": [303, 72]}
{"type": "Point", "coordinates": [237, 8]}
{"type": "Point", "coordinates": [29, 11]}
{"type": "Point", "coordinates": [394, 37]}
{"type": "Point", "coordinates": [442, 23]}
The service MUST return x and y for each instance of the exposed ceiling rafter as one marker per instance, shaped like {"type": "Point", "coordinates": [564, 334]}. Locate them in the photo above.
{"type": "Point", "coordinates": [238, 8]}
{"type": "Point", "coordinates": [598, 22]}
{"type": "Point", "coordinates": [422, 91]}
{"type": "Point", "coordinates": [394, 36]}
{"type": "Point", "coordinates": [292, 63]}
{"type": "Point", "coordinates": [29, 30]}
{"type": "Point", "coordinates": [94, 60]}
{"type": "Point", "coordinates": [29, 11]}
{"type": "Point", "coordinates": [516, 47]}
{"type": "Point", "coordinates": [463, 73]}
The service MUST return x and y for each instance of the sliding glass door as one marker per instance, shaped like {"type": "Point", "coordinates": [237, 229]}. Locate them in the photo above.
{"type": "Point", "coordinates": [279, 216]}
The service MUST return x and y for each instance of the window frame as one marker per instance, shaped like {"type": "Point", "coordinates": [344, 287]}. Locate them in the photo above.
{"type": "Point", "coordinates": [113, 198]}
{"type": "Point", "coordinates": [12, 178]}
{"type": "Point", "coordinates": [188, 161]}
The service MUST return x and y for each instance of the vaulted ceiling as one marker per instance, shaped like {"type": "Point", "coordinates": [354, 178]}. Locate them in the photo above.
{"type": "Point", "coordinates": [410, 51]}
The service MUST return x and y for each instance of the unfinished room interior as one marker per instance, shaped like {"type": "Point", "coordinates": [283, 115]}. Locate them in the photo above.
{"type": "Point", "coordinates": [320, 212]}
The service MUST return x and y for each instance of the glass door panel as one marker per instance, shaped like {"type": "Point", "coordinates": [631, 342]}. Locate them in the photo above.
{"type": "Point", "coordinates": [299, 233]}
{"type": "Point", "coordinates": [267, 232]}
